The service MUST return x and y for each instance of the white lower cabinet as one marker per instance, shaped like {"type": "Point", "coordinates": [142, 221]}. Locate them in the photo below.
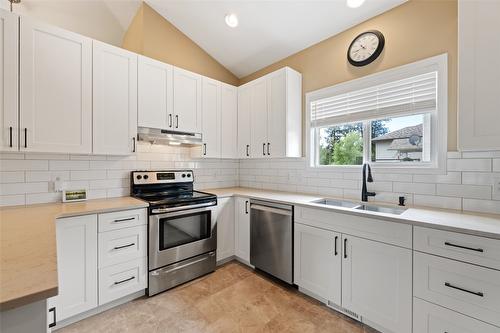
{"type": "Point", "coordinates": [468, 289]}
{"type": "Point", "coordinates": [369, 280]}
{"type": "Point", "coordinates": [431, 318]}
{"type": "Point", "coordinates": [100, 258]}
{"type": "Point", "coordinates": [318, 263]}
{"type": "Point", "coordinates": [377, 283]}
{"type": "Point", "coordinates": [120, 280]}
{"type": "Point", "coordinates": [76, 267]}
{"type": "Point", "coordinates": [225, 228]}
{"type": "Point", "coordinates": [242, 229]}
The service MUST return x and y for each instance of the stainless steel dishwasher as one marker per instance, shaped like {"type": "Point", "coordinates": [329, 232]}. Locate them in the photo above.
{"type": "Point", "coordinates": [271, 238]}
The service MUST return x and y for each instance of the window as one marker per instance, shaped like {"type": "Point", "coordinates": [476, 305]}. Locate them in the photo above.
{"type": "Point", "coordinates": [392, 119]}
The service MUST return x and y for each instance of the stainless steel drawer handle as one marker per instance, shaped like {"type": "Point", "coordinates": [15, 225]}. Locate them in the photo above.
{"type": "Point", "coordinates": [170, 270]}
{"type": "Point", "coordinates": [477, 293]}
{"type": "Point", "coordinates": [126, 280]}
{"type": "Point", "coordinates": [464, 247]}
{"type": "Point", "coordinates": [123, 246]}
{"type": "Point", "coordinates": [271, 209]}
{"type": "Point", "coordinates": [175, 209]}
{"type": "Point", "coordinates": [124, 220]}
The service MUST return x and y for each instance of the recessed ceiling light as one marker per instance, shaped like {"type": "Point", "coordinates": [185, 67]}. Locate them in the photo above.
{"type": "Point", "coordinates": [355, 3]}
{"type": "Point", "coordinates": [232, 20]}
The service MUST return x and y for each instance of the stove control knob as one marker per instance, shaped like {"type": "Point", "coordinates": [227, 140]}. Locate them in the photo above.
{"type": "Point", "coordinates": [189, 175]}
{"type": "Point", "coordinates": [183, 175]}
{"type": "Point", "coordinates": [146, 176]}
{"type": "Point", "coordinates": [139, 177]}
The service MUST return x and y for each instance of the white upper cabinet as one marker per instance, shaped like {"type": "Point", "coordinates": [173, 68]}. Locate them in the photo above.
{"type": "Point", "coordinates": [114, 100]}
{"type": "Point", "coordinates": [478, 70]}
{"type": "Point", "coordinates": [211, 115]}
{"type": "Point", "coordinates": [258, 120]}
{"type": "Point", "coordinates": [56, 89]}
{"type": "Point", "coordinates": [187, 101]}
{"type": "Point", "coordinates": [244, 133]}
{"type": "Point", "coordinates": [229, 121]}
{"type": "Point", "coordinates": [9, 42]}
{"type": "Point", "coordinates": [274, 103]}
{"type": "Point", "coordinates": [155, 94]}
{"type": "Point", "coordinates": [377, 283]}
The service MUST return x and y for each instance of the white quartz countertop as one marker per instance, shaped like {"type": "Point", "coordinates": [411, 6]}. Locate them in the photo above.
{"type": "Point", "coordinates": [486, 225]}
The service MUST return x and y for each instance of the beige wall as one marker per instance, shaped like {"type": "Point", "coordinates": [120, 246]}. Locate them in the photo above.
{"type": "Point", "coordinates": [153, 36]}
{"type": "Point", "coordinates": [415, 30]}
{"type": "Point", "coordinates": [88, 18]}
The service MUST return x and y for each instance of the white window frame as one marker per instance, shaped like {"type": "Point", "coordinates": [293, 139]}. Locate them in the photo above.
{"type": "Point", "coordinates": [439, 118]}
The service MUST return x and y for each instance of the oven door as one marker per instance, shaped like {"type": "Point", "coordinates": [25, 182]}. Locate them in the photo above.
{"type": "Point", "coordinates": [181, 235]}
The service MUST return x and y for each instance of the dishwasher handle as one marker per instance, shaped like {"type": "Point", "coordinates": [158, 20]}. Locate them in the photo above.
{"type": "Point", "coordinates": [271, 209]}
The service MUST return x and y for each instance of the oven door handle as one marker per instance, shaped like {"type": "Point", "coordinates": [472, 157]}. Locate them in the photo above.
{"type": "Point", "coordinates": [175, 209]}
{"type": "Point", "coordinates": [170, 270]}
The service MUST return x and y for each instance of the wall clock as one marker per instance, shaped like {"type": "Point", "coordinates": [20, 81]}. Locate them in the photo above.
{"type": "Point", "coordinates": [365, 48]}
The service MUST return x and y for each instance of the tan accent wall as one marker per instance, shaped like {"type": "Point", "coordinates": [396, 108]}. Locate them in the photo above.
{"type": "Point", "coordinates": [415, 30]}
{"type": "Point", "coordinates": [152, 35]}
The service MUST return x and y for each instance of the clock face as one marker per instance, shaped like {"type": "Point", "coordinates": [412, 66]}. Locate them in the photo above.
{"type": "Point", "coordinates": [365, 48]}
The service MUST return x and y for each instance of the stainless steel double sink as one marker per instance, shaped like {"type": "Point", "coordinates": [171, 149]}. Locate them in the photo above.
{"type": "Point", "coordinates": [365, 207]}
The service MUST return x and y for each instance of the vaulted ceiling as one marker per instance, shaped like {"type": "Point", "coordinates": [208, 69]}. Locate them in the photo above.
{"type": "Point", "coordinates": [268, 31]}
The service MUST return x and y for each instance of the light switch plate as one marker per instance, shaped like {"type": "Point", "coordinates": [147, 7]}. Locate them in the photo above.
{"type": "Point", "coordinates": [496, 188]}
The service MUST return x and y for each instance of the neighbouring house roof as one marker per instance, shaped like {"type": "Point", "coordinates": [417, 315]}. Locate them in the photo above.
{"type": "Point", "coordinates": [404, 145]}
{"type": "Point", "coordinates": [403, 133]}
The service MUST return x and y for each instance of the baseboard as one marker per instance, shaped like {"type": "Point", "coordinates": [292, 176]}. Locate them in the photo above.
{"type": "Point", "coordinates": [99, 309]}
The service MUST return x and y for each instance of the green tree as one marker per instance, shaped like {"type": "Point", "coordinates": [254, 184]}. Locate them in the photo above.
{"type": "Point", "coordinates": [348, 150]}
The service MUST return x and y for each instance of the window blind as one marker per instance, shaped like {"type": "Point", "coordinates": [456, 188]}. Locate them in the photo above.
{"type": "Point", "coordinates": [410, 95]}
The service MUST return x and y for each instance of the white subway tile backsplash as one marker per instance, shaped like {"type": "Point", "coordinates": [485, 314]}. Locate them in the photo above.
{"type": "Point", "coordinates": [28, 178]}
{"type": "Point", "coordinates": [482, 206]}
{"type": "Point", "coordinates": [18, 165]}
{"type": "Point", "coordinates": [478, 164]}
{"type": "Point", "coordinates": [46, 176]}
{"type": "Point", "coordinates": [464, 191]}
{"type": "Point", "coordinates": [38, 198]}
{"type": "Point", "coordinates": [417, 188]}
{"type": "Point", "coordinates": [437, 201]}
{"type": "Point", "coordinates": [23, 188]}
{"type": "Point", "coordinates": [12, 200]}
{"type": "Point", "coordinates": [449, 178]}
{"type": "Point", "coordinates": [68, 165]}
{"type": "Point", "coordinates": [481, 154]}
{"type": "Point", "coordinates": [11, 177]}
{"type": "Point", "coordinates": [496, 165]}
{"type": "Point", "coordinates": [479, 178]}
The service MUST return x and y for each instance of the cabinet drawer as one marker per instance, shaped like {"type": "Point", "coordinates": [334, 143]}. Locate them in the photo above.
{"type": "Point", "coordinates": [122, 219]}
{"type": "Point", "coordinates": [477, 250]}
{"type": "Point", "coordinates": [468, 289]}
{"type": "Point", "coordinates": [431, 318]}
{"type": "Point", "coordinates": [366, 227]}
{"type": "Point", "coordinates": [121, 280]}
{"type": "Point", "coordinates": [122, 245]}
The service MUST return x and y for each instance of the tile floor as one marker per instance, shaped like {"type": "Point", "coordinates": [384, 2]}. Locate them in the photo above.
{"type": "Point", "coordinates": [233, 299]}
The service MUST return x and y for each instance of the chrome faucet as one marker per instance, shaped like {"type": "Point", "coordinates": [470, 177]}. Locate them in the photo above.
{"type": "Point", "coordinates": [364, 191]}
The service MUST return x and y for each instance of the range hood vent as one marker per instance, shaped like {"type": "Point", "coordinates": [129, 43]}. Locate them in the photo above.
{"type": "Point", "coordinates": [167, 137]}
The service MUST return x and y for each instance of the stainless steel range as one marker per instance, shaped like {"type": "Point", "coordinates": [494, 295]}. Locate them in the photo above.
{"type": "Point", "coordinates": [182, 228]}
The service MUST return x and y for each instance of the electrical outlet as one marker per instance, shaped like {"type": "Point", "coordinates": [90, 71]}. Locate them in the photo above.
{"type": "Point", "coordinates": [496, 188]}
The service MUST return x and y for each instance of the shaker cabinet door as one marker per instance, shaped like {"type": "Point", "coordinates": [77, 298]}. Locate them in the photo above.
{"type": "Point", "coordinates": [317, 262]}
{"type": "Point", "coordinates": [56, 85]}
{"type": "Point", "coordinates": [377, 283]}
{"type": "Point", "coordinates": [187, 101]}
{"type": "Point", "coordinates": [114, 100]}
{"type": "Point", "coordinates": [154, 94]}
{"type": "Point", "coordinates": [9, 64]}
